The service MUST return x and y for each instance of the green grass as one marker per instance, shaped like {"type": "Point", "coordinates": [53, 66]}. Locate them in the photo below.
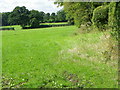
{"type": "Point", "coordinates": [54, 23]}
{"type": "Point", "coordinates": [56, 58]}
{"type": "Point", "coordinates": [16, 27]}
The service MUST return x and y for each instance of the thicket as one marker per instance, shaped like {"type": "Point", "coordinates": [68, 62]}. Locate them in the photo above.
{"type": "Point", "coordinates": [100, 17]}
{"type": "Point", "coordinates": [114, 19]}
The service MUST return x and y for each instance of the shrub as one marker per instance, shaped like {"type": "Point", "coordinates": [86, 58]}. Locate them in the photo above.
{"type": "Point", "coordinates": [100, 17]}
{"type": "Point", "coordinates": [114, 19]}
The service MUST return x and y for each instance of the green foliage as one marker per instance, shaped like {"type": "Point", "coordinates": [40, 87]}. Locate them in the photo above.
{"type": "Point", "coordinates": [5, 17]}
{"type": "Point", "coordinates": [114, 18]}
{"type": "Point", "coordinates": [34, 14]}
{"type": "Point", "coordinates": [97, 4]}
{"type": "Point", "coordinates": [35, 18]}
{"type": "Point", "coordinates": [53, 17]}
{"type": "Point", "coordinates": [58, 3]}
{"type": "Point", "coordinates": [20, 15]}
{"type": "Point", "coordinates": [47, 17]}
{"type": "Point", "coordinates": [34, 22]}
{"type": "Point", "coordinates": [100, 16]}
{"type": "Point", "coordinates": [69, 10]}
{"type": "Point", "coordinates": [118, 18]}
{"type": "Point", "coordinates": [83, 14]}
{"type": "Point", "coordinates": [80, 12]}
{"type": "Point", "coordinates": [61, 15]}
{"type": "Point", "coordinates": [42, 14]}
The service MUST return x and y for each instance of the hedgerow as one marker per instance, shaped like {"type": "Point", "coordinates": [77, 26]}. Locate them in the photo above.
{"type": "Point", "coordinates": [100, 16]}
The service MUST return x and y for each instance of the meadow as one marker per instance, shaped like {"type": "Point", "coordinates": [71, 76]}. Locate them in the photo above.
{"type": "Point", "coordinates": [57, 23]}
{"type": "Point", "coordinates": [56, 57]}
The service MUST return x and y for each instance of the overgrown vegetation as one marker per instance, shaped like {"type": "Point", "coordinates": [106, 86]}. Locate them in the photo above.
{"type": "Point", "coordinates": [104, 15]}
{"type": "Point", "coordinates": [100, 17]}
{"type": "Point", "coordinates": [92, 16]}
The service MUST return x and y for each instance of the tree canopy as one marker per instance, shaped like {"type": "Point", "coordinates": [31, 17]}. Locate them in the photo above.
{"type": "Point", "coordinates": [22, 16]}
{"type": "Point", "coordinates": [102, 15]}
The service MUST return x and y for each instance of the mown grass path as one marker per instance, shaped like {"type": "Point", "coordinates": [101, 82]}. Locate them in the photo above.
{"type": "Point", "coordinates": [55, 57]}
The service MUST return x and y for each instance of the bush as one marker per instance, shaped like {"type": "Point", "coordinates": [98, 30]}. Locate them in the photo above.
{"type": "Point", "coordinates": [114, 19]}
{"type": "Point", "coordinates": [100, 17]}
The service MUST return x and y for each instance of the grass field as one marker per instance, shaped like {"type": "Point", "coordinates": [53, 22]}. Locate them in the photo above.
{"type": "Point", "coordinates": [56, 58]}
{"type": "Point", "coordinates": [18, 27]}
{"type": "Point", "coordinates": [54, 23]}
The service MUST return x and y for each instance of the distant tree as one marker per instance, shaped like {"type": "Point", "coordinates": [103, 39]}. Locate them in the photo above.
{"type": "Point", "coordinates": [53, 17]}
{"type": "Point", "coordinates": [20, 15]}
{"type": "Point", "coordinates": [34, 14]}
{"type": "Point", "coordinates": [47, 17]}
{"type": "Point", "coordinates": [34, 22]}
{"type": "Point", "coordinates": [35, 18]}
{"type": "Point", "coordinates": [42, 14]}
{"type": "Point", "coordinates": [61, 16]}
{"type": "Point", "coordinates": [5, 18]}
{"type": "Point", "coordinates": [12, 20]}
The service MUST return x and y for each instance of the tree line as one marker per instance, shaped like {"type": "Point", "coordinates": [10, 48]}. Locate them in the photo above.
{"type": "Point", "coordinates": [22, 16]}
{"type": "Point", "coordinates": [100, 15]}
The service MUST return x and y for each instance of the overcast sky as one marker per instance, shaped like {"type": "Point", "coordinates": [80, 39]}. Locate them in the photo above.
{"type": "Point", "coordinates": [40, 5]}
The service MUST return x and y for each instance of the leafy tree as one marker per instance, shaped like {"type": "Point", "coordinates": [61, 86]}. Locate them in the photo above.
{"type": "Point", "coordinates": [61, 15]}
{"type": "Point", "coordinates": [5, 18]}
{"type": "Point", "coordinates": [53, 17]}
{"type": "Point", "coordinates": [100, 16]}
{"type": "Point", "coordinates": [34, 14]}
{"type": "Point", "coordinates": [34, 22]}
{"type": "Point", "coordinates": [47, 17]}
{"type": "Point", "coordinates": [35, 18]}
{"type": "Point", "coordinates": [42, 14]}
{"type": "Point", "coordinates": [20, 15]}
{"type": "Point", "coordinates": [80, 12]}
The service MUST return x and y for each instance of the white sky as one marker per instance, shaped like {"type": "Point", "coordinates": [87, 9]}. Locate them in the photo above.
{"type": "Point", "coordinates": [40, 5]}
